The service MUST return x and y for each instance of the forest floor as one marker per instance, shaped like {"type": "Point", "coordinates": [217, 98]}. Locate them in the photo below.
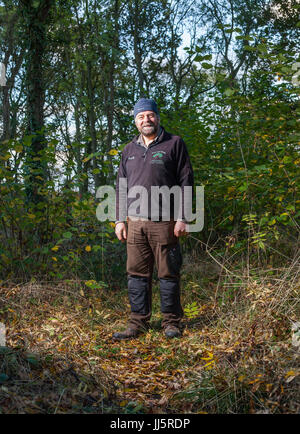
{"type": "Point", "coordinates": [238, 353]}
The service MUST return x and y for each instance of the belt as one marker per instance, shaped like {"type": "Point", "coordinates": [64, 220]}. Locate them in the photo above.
{"type": "Point", "coordinates": [144, 219]}
{"type": "Point", "coordinates": [138, 219]}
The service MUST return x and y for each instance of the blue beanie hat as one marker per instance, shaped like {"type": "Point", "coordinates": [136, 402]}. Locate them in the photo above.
{"type": "Point", "coordinates": [143, 105]}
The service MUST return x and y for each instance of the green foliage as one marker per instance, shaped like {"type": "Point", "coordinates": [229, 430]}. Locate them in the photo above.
{"type": "Point", "coordinates": [191, 310]}
{"type": "Point", "coordinates": [73, 243]}
{"type": "Point", "coordinates": [233, 97]}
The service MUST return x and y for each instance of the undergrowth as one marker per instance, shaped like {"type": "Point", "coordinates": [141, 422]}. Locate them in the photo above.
{"type": "Point", "coordinates": [237, 353]}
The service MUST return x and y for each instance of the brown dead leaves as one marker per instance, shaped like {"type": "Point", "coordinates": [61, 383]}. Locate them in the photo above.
{"type": "Point", "coordinates": [62, 359]}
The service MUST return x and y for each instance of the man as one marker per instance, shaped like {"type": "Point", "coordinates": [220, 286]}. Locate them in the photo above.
{"type": "Point", "coordinates": [154, 158]}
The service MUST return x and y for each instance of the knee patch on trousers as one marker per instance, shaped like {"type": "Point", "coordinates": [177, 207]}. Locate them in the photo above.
{"type": "Point", "coordinates": [138, 294]}
{"type": "Point", "coordinates": [170, 296]}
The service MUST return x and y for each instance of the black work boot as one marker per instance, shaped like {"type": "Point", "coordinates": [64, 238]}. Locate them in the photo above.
{"type": "Point", "coordinates": [129, 333]}
{"type": "Point", "coordinates": [171, 331]}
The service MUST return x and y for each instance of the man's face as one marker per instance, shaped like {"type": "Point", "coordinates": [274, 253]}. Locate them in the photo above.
{"type": "Point", "coordinates": [147, 123]}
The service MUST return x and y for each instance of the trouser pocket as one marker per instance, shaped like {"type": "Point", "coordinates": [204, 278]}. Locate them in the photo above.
{"type": "Point", "coordinates": [168, 260]}
{"type": "Point", "coordinates": [174, 259]}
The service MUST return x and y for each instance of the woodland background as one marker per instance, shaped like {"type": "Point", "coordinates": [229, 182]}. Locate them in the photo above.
{"type": "Point", "coordinates": [225, 74]}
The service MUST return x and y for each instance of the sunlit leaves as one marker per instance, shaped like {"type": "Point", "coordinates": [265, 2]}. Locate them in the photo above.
{"type": "Point", "coordinates": [191, 310]}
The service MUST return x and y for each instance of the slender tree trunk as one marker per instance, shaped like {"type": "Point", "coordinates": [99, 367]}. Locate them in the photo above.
{"type": "Point", "coordinates": [5, 113]}
{"type": "Point", "coordinates": [136, 45]}
{"type": "Point", "coordinates": [9, 39]}
{"type": "Point", "coordinates": [83, 186]}
{"type": "Point", "coordinates": [111, 94]}
{"type": "Point", "coordinates": [92, 123]}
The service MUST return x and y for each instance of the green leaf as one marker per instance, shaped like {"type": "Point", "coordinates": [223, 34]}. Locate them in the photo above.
{"type": "Point", "coordinates": [67, 235]}
{"type": "Point", "coordinates": [262, 48]}
{"type": "Point", "coordinates": [243, 187]}
{"type": "Point", "coordinates": [229, 92]}
{"type": "Point", "coordinates": [249, 48]}
{"type": "Point", "coordinates": [207, 65]}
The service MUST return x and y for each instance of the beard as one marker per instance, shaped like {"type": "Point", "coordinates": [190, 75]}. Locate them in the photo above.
{"type": "Point", "coordinates": [149, 130]}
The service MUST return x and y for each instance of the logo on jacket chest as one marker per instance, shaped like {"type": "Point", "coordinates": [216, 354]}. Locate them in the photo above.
{"type": "Point", "coordinates": [157, 157]}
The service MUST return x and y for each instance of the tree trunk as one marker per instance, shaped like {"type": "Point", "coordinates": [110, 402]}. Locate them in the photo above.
{"type": "Point", "coordinates": [35, 15]}
{"type": "Point", "coordinates": [136, 45]}
{"type": "Point", "coordinates": [92, 123]}
{"type": "Point", "coordinates": [6, 111]}
{"type": "Point", "coordinates": [111, 94]}
{"type": "Point", "coordinates": [35, 20]}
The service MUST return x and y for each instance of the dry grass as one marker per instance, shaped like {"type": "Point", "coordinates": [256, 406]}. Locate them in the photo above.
{"type": "Point", "coordinates": [235, 356]}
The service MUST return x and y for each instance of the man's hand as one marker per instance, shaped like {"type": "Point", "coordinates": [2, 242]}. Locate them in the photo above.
{"type": "Point", "coordinates": [121, 231]}
{"type": "Point", "coordinates": [179, 229]}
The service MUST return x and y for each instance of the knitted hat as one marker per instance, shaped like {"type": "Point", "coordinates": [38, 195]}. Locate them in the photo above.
{"type": "Point", "coordinates": [144, 105]}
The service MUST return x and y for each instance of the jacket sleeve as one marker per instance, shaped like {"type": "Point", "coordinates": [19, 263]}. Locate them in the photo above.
{"type": "Point", "coordinates": [120, 213]}
{"type": "Point", "coordinates": [184, 170]}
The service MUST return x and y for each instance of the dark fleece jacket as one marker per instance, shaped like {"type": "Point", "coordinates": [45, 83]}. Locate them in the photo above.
{"type": "Point", "coordinates": [165, 162]}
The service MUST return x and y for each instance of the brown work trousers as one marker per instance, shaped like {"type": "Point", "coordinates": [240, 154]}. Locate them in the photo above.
{"type": "Point", "coordinates": [150, 242]}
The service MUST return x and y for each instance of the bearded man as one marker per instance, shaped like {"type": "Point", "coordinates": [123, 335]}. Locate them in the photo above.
{"type": "Point", "coordinates": [153, 159]}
